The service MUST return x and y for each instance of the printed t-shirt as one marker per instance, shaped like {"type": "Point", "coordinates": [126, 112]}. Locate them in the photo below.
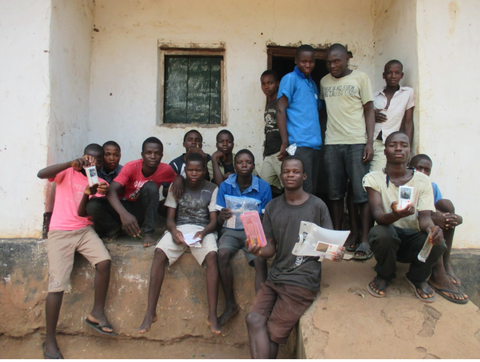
{"type": "Point", "coordinates": [345, 98]}
{"type": "Point", "coordinates": [303, 124]}
{"type": "Point", "coordinates": [194, 207]}
{"type": "Point", "coordinates": [132, 179]}
{"type": "Point", "coordinates": [282, 223]}
{"type": "Point", "coordinates": [402, 100]}
{"type": "Point", "coordinates": [422, 197]}
{"type": "Point", "coordinates": [259, 190]}
{"type": "Point", "coordinates": [273, 140]}
{"type": "Point", "coordinates": [71, 186]}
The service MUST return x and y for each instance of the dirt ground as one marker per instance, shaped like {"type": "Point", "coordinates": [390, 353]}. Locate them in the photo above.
{"type": "Point", "coordinates": [83, 347]}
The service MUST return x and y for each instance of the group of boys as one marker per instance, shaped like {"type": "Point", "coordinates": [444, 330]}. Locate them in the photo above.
{"type": "Point", "coordinates": [361, 128]}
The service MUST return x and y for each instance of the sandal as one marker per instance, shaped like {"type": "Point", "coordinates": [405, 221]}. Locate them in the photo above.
{"type": "Point", "coordinates": [374, 293]}
{"type": "Point", "coordinates": [364, 248]}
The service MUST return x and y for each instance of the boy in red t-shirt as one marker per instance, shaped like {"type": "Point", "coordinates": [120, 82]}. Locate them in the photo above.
{"type": "Point", "coordinates": [138, 182]}
{"type": "Point", "coordinates": [70, 232]}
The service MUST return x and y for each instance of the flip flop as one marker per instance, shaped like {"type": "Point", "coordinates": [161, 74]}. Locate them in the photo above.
{"type": "Point", "coordinates": [417, 294]}
{"type": "Point", "coordinates": [58, 355]}
{"type": "Point", "coordinates": [365, 248]}
{"type": "Point", "coordinates": [450, 299]}
{"type": "Point", "coordinates": [351, 248]}
{"type": "Point", "coordinates": [374, 293]}
{"type": "Point", "coordinates": [453, 280]}
{"type": "Point", "coordinates": [98, 327]}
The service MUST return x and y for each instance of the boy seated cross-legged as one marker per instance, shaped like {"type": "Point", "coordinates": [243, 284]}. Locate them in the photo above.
{"type": "Point", "coordinates": [293, 281]}
{"type": "Point", "coordinates": [443, 278]}
{"type": "Point", "coordinates": [240, 184]}
{"type": "Point", "coordinates": [70, 231]}
{"type": "Point", "coordinates": [138, 183]}
{"type": "Point", "coordinates": [193, 214]}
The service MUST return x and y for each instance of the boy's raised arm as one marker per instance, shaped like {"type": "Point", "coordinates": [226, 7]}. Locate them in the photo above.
{"type": "Point", "coordinates": [282, 106]}
{"type": "Point", "coordinates": [381, 217]}
{"type": "Point", "coordinates": [52, 171]}
{"type": "Point", "coordinates": [217, 173]}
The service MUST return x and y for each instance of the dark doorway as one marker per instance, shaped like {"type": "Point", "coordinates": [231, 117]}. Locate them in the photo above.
{"type": "Point", "coordinates": [282, 60]}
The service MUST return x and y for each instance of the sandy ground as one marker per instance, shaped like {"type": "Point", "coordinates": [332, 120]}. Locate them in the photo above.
{"type": "Point", "coordinates": [82, 347]}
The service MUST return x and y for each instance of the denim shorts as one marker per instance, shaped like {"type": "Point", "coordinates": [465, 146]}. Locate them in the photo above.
{"type": "Point", "coordinates": [342, 163]}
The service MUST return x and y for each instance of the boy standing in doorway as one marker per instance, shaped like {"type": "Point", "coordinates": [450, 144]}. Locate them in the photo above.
{"type": "Point", "coordinates": [348, 142]}
{"type": "Point", "coordinates": [297, 115]}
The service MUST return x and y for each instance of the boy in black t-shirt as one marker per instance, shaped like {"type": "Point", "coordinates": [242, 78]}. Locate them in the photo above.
{"type": "Point", "coordinates": [293, 281]}
{"type": "Point", "coordinates": [273, 141]}
{"type": "Point", "coordinates": [196, 217]}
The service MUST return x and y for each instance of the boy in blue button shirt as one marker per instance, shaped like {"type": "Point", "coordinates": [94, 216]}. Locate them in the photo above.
{"type": "Point", "coordinates": [240, 184]}
{"type": "Point", "coordinates": [297, 115]}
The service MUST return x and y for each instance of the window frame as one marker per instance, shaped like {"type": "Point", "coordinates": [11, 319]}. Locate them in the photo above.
{"type": "Point", "coordinates": [168, 49]}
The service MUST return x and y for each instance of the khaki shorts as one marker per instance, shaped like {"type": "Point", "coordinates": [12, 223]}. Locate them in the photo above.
{"type": "Point", "coordinates": [283, 305]}
{"type": "Point", "coordinates": [271, 170]}
{"type": "Point", "coordinates": [61, 247]}
{"type": "Point", "coordinates": [379, 160]}
{"type": "Point", "coordinates": [174, 251]}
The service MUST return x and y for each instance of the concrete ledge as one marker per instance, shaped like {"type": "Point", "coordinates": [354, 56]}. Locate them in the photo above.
{"type": "Point", "coordinates": [347, 322]}
{"type": "Point", "coordinates": [182, 308]}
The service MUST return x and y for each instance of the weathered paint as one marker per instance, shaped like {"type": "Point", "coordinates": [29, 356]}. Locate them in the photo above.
{"type": "Point", "coordinates": [449, 104]}
{"type": "Point", "coordinates": [24, 114]}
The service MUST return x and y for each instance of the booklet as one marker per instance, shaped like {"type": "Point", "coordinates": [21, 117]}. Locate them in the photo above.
{"type": "Point", "coordinates": [192, 241]}
{"type": "Point", "coordinates": [317, 241]}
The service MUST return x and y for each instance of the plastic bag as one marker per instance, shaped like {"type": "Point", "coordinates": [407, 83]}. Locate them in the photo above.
{"type": "Point", "coordinates": [239, 205]}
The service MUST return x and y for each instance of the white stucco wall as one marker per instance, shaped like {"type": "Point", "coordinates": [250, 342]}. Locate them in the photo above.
{"type": "Point", "coordinates": [448, 48]}
{"type": "Point", "coordinates": [71, 35]}
{"type": "Point", "coordinates": [24, 112]}
{"type": "Point", "coordinates": [124, 60]}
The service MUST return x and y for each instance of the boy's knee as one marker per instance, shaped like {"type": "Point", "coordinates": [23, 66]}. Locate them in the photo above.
{"type": "Point", "coordinates": [150, 188]}
{"type": "Point", "coordinates": [104, 266]}
{"type": "Point", "coordinates": [445, 205]}
{"type": "Point", "coordinates": [160, 255]}
{"type": "Point", "coordinates": [95, 206]}
{"type": "Point", "coordinates": [211, 257]}
{"type": "Point", "coordinates": [255, 320]}
{"type": "Point", "coordinates": [381, 236]}
{"type": "Point", "coordinates": [224, 256]}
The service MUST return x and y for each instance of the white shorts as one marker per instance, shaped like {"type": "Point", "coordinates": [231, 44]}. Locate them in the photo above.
{"type": "Point", "coordinates": [174, 251]}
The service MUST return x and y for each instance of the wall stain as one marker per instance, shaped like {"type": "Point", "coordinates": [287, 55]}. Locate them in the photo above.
{"type": "Point", "coordinates": [453, 9]}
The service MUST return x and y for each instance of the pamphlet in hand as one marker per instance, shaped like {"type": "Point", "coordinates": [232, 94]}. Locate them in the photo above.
{"type": "Point", "coordinates": [405, 197]}
{"type": "Point", "coordinates": [317, 241]}
{"type": "Point", "coordinates": [192, 241]}
{"type": "Point", "coordinates": [253, 228]}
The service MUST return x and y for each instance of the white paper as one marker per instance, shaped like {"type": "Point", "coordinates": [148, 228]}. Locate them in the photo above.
{"type": "Point", "coordinates": [190, 239]}
{"type": "Point", "coordinates": [310, 235]}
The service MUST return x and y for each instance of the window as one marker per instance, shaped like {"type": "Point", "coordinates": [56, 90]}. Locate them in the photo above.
{"type": "Point", "coordinates": [192, 86]}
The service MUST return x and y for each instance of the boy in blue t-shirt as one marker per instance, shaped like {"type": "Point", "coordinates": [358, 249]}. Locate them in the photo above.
{"type": "Point", "coordinates": [297, 115]}
{"type": "Point", "coordinates": [240, 184]}
{"type": "Point", "coordinates": [446, 218]}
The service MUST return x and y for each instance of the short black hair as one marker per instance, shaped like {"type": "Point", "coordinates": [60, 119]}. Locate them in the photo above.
{"type": "Point", "coordinates": [226, 131]}
{"type": "Point", "coordinates": [95, 147]}
{"type": "Point", "coordinates": [244, 151]}
{"type": "Point", "coordinates": [339, 47]}
{"type": "Point", "coordinates": [112, 143]}
{"type": "Point", "coordinates": [293, 157]}
{"type": "Point", "coordinates": [416, 159]}
{"type": "Point", "coordinates": [152, 140]}
{"type": "Point", "coordinates": [196, 157]}
{"type": "Point", "coordinates": [391, 62]}
{"type": "Point", "coordinates": [192, 130]}
{"type": "Point", "coordinates": [270, 72]}
{"type": "Point", "coordinates": [304, 48]}
{"type": "Point", "coordinates": [395, 133]}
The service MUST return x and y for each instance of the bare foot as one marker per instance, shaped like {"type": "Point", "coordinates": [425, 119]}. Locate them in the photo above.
{"type": "Point", "coordinates": [148, 240]}
{"type": "Point", "coordinates": [147, 323]}
{"type": "Point", "coordinates": [228, 313]}
{"type": "Point", "coordinates": [214, 325]}
{"type": "Point", "coordinates": [352, 242]}
{"type": "Point", "coordinates": [452, 276]}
